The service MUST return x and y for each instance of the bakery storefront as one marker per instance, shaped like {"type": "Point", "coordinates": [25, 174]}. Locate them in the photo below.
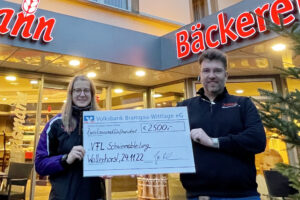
{"type": "Point", "coordinates": [41, 51]}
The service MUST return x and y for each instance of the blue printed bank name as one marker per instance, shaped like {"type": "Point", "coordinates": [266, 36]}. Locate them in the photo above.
{"type": "Point", "coordinates": [137, 117]}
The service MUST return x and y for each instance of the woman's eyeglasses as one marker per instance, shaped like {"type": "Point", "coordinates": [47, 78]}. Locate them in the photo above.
{"type": "Point", "coordinates": [78, 91]}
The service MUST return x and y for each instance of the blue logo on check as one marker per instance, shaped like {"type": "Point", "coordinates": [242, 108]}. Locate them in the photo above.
{"type": "Point", "coordinates": [89, 118]}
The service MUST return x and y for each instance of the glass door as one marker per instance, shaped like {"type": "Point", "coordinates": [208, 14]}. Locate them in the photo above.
{"type": "Point", "coordinates": [18, 108]}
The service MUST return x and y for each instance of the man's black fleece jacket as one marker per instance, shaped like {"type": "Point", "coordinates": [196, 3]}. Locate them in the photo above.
{"type": "Point", "coordinates": [230, 170]}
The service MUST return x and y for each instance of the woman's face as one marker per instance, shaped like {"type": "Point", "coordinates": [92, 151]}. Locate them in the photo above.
{"type": "Point", "coordinates": [81, 94]}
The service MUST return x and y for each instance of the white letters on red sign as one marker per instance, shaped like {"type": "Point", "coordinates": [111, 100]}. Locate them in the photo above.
{"type": "Point", "coordinates": [244, 26]}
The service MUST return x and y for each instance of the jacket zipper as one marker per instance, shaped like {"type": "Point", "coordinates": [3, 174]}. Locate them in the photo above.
{"type": "Point", "coordinates": [211, 103]}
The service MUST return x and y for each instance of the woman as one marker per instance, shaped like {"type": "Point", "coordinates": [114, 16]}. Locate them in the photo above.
{"type": "Point", "coordinates": [60, 152]}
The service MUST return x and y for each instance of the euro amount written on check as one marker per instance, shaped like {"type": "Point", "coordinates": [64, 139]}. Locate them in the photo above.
{"type": "Point", "coordinates": [127, 142]}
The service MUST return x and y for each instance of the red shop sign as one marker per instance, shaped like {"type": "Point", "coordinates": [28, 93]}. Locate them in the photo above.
{"type": "Point", "coordinates": [25, 19]}
{"type": "Point", "coordinates": [244, 26]}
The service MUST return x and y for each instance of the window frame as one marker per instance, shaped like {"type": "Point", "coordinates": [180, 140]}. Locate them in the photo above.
{"type": "Point", "coordinates": [102, 2]}
{"type": "Point", "coordinates": [210, 7]}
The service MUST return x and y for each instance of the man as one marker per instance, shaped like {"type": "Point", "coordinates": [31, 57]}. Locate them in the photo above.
{"type": "Point", "coordinates": [226, 133]}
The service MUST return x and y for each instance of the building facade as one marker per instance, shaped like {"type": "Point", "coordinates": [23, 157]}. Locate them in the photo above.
{"type": "Point", "coordinates": [141, 54]}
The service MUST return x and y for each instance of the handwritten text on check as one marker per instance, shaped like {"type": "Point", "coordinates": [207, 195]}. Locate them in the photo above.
{"type": "Point", "coordinates": [137, 142]}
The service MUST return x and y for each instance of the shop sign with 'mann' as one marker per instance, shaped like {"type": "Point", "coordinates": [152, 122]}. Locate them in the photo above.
{"type": "Point", "coordinates": [24, 22]}
{"type": "Point", "coordinates": [246, 25]}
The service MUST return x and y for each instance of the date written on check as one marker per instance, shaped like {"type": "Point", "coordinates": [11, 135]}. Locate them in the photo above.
{"type": "Point", "coordinates": [127, 142]}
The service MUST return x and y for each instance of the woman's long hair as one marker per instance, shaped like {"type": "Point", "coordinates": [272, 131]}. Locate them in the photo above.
{"type": "Point", "coordinates": [68, 120]}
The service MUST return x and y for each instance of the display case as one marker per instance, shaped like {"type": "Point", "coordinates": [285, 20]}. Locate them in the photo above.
{"type": "Point", "coordinates": [28, 142]}
{"type": "Point", "coordinates": [4, 150]}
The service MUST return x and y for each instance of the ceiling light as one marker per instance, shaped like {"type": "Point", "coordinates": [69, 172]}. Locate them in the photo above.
{"type": "Point", "coordinates": [91, 74]}
{"type": "Point", "coordinates": [46, 98]}
{"type": "Point", "coordinates": [118, 91]}
{"type": "Point", "coordinates": [33, 82]}
{"type": "Point", "coordinates": [10, 78]}
{"type": "Point", "coordinates": [4, 99]}
{"type": "Point", "coordinates": [157, 95]}
{"type": "Point", "coordinates": [140, 73]}
{"type": "Point", "coordinates": [74, 63]}
{"type": "Point", "coordinates": [239, 91]}
{"type": "Point", "coordinates": [65, 101]}
{"type": "Point", "coordinates": [278, 47]}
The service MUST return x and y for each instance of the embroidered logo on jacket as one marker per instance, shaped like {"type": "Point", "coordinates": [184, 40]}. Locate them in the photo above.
{"type": "Point", "coordinates": [230, 105]}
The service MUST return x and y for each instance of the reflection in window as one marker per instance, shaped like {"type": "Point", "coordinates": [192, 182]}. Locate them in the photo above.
{"type": "Point", "coordinates": [248, 62]}
{"type": "Point", "coordinates": [127, 99]}
{"type": "Point", "coordinates": [259, 56]}
{"type": "Point", "coordinates": [168, 96]}
{"type": "Point", "coordinates": [117, 3]}
{"type": "Point", "coordinates": [293, 84]}
{"type": "Point", "coordinates": [245, 88]}
{"type": "Point", "coordinates": [101, 98]}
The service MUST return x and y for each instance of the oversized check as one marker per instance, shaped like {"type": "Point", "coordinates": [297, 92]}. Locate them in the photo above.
{"type": "Point", "coordinates": [145, 141]}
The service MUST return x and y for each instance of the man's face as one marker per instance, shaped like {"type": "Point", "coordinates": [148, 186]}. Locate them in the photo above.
{"type": "Point", "coordinates": [213, 76]}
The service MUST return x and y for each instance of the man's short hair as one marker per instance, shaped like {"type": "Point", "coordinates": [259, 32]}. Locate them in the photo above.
{"type": "Point", "coordinates": [213, 54]}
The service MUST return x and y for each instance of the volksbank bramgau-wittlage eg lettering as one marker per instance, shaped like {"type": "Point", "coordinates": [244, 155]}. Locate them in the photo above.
{"type": "Point", "coordinates": [138, 117]}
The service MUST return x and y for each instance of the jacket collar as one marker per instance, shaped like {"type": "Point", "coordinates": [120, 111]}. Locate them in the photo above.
{"type": "Point", "coordinates": [218, 98]}
{"type": "Point", "coordinates": [77, 111]}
